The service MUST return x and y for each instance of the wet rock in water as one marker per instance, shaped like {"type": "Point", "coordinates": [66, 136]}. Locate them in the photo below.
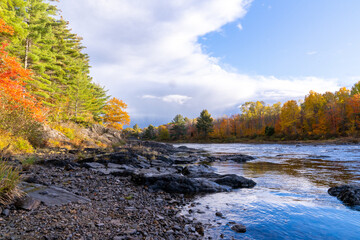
{"type": "Point", "coordinates": [219, 214]}
{"type": "Point", "coordinates": [235, 181]}
{"type": "Point", "coordinates": [176, 183]}
{"type": "Point", "coordinates": [239, 158]}
{"type": "Point", "coordinates": [27, 203]}
{"type": "Point", "coordinates": [348, 194]}
{"type": "Point", "coordinates": [239, 228]}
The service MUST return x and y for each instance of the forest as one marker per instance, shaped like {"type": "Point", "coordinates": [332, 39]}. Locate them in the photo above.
{"type": "Point", "coordinates": [317, 116]}
{"type": "Point", "coordinates": [45, 77]}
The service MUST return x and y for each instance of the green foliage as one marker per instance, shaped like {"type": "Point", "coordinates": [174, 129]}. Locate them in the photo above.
{"type": "Point", "coordinates": [178, 128]}
{"type": "Point", "coordinates": [204, 123]}
{"type": "Point", "coordinates": [45, 44]}
{"type": "Point", "coordinates": [269, 131]}
{"type": "Point", "coordinates": [149, 132]}
{"type": "Point", "coordinates": [356, 88]}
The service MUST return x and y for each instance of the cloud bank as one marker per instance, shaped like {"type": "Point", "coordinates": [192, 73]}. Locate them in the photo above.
{"type": "Point", "coordinates": [147, 53]}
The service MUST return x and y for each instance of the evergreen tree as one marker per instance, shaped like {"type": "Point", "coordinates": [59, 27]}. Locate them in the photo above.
{"type": "Point", "coordinates": [204, 123]}
{"type": "Point", "coordinates": [178, 128]}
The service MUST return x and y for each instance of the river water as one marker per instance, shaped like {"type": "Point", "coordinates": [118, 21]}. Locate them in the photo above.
{"type": "Point", "coordinates": [290, 200]}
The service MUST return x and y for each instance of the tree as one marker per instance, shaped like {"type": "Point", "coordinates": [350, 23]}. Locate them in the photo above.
{"type": "Point", "coordinates": [289, 117]}
{"type": "Point", "coordinates": [204, 123]}
{"type": "Point", "coordinates": [178, 128]}
{"type": "Point", "coordinates": [20, 112]}
{"type": "Point", "coordinates": [163, 133]}
{"type": "Point", "coordinates": [355, 89]}
{"type": "Point", "coordinates": [115, 115]}
{"type": "Point", "coordinates": [149, 132]}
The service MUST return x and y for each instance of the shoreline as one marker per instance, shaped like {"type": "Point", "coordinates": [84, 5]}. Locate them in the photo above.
{"type": "Point", "coordinates": [336, 141]}
{"type": "Point", "coordinates": [138, 191]}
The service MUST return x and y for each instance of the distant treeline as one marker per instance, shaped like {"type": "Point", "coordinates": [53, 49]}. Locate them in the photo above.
{"type": "Point", "coordinates": [318, 116]}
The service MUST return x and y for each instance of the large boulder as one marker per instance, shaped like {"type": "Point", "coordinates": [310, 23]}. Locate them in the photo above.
{"type": "Point", "coordinates": [348, 194]}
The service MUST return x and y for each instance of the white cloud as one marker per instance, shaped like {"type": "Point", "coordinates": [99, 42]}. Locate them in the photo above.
{"type": "Point", "coordinates": [150, 49]}
{"type": "Point", "coordinates": [239, 26]}
{"type": "Point", "coordinates": [179, 99]}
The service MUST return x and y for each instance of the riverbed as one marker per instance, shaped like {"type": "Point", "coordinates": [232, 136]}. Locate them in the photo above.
{"type": "Point", "coordinates": [290, 200]}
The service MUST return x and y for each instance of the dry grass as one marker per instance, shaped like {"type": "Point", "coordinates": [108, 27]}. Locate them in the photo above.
{"type": "Point", "coordinates": [9, 180]}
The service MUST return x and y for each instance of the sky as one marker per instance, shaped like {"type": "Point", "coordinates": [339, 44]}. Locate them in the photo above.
{"type": "Point", "coordinates": [182, 56]}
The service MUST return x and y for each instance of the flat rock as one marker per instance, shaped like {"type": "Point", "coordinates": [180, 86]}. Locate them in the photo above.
{"type": "Point", "coordinates": [93, 165]}
{"type": "Point", "coordinates": [52, 196]}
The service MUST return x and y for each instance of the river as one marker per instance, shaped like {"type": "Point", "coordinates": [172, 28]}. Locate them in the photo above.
{"type": "Point", "coordinates": [290, 200]}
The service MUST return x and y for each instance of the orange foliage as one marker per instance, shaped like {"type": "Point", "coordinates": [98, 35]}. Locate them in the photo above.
{"type": "Point", "coordinates": [13, 95]}
{"type": "Point", "coordinates": [115, 115]}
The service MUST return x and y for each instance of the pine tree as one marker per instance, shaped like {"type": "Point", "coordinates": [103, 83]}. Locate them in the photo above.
{"type": "Point", "coordinates": [204, 123]}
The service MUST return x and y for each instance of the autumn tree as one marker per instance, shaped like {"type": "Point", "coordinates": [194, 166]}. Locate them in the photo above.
{"type": "Point", "coordinates": [115, 115]}
{"type": "Point", "coordinates": [19, 110]}
{"type": "Point", "coordinates": [163, 133]}
{"type": "Point", "coordinates": [289, 118]}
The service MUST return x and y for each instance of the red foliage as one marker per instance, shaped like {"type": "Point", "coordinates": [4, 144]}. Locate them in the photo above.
{"type": "Point", "coordinates": [13, 95]}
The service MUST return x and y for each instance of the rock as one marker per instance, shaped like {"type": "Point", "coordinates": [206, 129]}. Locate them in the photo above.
{"type": "Point", "coordinates": [27, 203]}
{"type": "Point", "coordinates": [239, 158]}
{"type": "Point", "coordinates": [239, 228]}
{"type": "Point", "coordinates": [53, 134]}
{"type": "Point", "coordinates": [348, 194]}
{"type": "Point", "coordinates": [52, 196]}
{"type": "Point", "coordinates": [176, 183]}
{"type": "Point", "coordinates": [5, 212]}
{"type": "Point", "coordinates": [219, 214]}
{"type": "Point", "coordinates": [235, 181]}
{"type": "Point", "coordinates": [93, 165]}
{"type": "Point", "coordinates": [197, 171]}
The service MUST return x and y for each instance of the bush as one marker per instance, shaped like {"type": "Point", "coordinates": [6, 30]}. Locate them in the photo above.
{"type": "Point", "coordinates": [9, 180]}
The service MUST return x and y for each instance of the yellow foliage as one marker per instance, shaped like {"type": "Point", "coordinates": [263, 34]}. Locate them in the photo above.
{"type": "Point", "coordinates": [115, 115]}
{"type": "Point", "coordinates": [15, 144]}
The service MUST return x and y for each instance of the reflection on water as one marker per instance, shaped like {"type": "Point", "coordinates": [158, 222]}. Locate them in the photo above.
{"type": "Point", "coordinates": [290, 200]}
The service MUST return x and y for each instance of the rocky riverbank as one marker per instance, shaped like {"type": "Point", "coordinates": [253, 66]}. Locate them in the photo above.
{"type": "Point", "coordinates": [135, 192]}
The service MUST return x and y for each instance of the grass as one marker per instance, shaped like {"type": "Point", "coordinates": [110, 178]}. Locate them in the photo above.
{"type": "Point", "coordinates": [9, 180]}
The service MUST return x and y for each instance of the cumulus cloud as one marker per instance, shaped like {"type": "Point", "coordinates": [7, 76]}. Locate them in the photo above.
{"type": "Point", "coordinates": [239, 26]}
{"type": "Point", "coordinates": [146, 51]}
{"type": "Point", "coordinates": [179, 99]}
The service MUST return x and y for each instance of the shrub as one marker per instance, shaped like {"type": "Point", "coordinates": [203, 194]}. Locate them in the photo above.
{"type": "Point", "coordinates": [9, 180]}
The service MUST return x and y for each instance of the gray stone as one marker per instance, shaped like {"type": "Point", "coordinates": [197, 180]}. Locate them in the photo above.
{"type": "Point", "coordinates": [6, 212]}
{"type": "Point", "coordinates": [28, 203]}
{"type": "Point", "coordinates": [93, 165]}
{"type": "Point", "coordinates": [52, 196]}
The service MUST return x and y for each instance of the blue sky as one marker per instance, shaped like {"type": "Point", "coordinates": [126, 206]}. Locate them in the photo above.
{"type": "Point", "coordinates": [179, 57]}
{"type": "Point", "coordinates": [292, 38]}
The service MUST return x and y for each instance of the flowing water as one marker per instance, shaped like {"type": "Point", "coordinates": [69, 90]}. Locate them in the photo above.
{"type": "Point", "coordinates": [290, 200]}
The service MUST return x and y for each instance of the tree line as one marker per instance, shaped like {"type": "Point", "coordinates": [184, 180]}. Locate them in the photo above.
{"type": "Point", "coordinates": [317, 116]}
